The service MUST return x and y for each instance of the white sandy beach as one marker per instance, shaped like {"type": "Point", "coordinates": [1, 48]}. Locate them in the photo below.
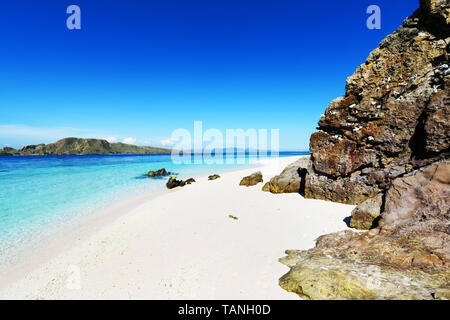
{"type": "Point", "coordinates": [182, 245]}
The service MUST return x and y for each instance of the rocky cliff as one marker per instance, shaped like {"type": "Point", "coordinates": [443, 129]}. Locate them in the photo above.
{"type": "Point", "coordinates": [385, 147]}
{"type": "Point", "coordinates": [78, 146]}
{"type": "Point", "coordinates": [394, 116]}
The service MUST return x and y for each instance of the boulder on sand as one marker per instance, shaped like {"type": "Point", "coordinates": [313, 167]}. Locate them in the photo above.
{"type": "Point", "coordinates": [252, 179]}
{"type": "Point", "coordinates": [292, 179]}
{"type": "Point", "coordinates": [365, 215]}
{"type": "Point", "coordinates": [213, 177]}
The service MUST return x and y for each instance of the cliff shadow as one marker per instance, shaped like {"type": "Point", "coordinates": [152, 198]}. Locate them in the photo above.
{"type": "Point", "coordinates": [302, 172]}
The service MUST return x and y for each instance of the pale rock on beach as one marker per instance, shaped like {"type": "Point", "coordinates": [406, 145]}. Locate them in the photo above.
{"type": "Point", "coordinates": [183, 245]}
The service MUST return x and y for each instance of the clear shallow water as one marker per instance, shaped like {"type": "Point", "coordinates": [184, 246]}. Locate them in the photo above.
{"type": "Point", "coordinates": [40, 192]}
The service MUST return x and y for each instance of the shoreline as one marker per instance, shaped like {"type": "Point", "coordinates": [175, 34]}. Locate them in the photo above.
{"type": "Point", "coordinates": [77, 228]}
{"type": "Point", "coordinates": [120, 240]}
{"type": "Point", "coordinates": [68, 235]}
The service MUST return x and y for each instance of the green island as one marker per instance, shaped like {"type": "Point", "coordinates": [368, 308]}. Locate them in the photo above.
{"type": "Point", "coordinates": [80, 146]}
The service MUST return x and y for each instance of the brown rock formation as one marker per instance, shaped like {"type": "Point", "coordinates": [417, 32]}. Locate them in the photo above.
{"type": "Point", "coordinates": [387, 139]}
{"type": "Point", "coordinates": [252, 179]}
{"type": "Point", "coordinates": [407, 258]}
{"type": "Point", "coordinates": [394, 116]}
{"type": "Point", "coordinates": [422, 196]}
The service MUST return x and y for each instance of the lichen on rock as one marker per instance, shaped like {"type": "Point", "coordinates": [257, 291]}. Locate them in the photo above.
{"type": "Point", "coordinates": [317, 274]}
{"type": "Point", "coordinates": [407, 257]}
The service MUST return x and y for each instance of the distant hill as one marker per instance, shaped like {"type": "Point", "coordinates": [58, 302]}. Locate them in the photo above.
{"type": "Point", "coordinates": [79, 146]}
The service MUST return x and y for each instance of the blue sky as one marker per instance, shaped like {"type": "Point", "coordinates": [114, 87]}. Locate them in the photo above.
{"type": "Point", "coordinates": [137, 70]}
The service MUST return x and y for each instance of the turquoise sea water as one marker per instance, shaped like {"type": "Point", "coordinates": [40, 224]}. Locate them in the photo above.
{"type": "Point", "coordinates": [40, 192]}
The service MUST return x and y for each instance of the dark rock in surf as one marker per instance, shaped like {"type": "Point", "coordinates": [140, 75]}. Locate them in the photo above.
{"type": "Point", "coordinates": [158, 173]}
{"type": "Point", "coordinates": [173, 183]}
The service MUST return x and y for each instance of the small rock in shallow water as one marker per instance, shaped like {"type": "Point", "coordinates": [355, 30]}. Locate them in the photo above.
{"type": "Point", "coordinates": [158, 173]}
{"type": "Point", "coordinates": [233, 217]}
